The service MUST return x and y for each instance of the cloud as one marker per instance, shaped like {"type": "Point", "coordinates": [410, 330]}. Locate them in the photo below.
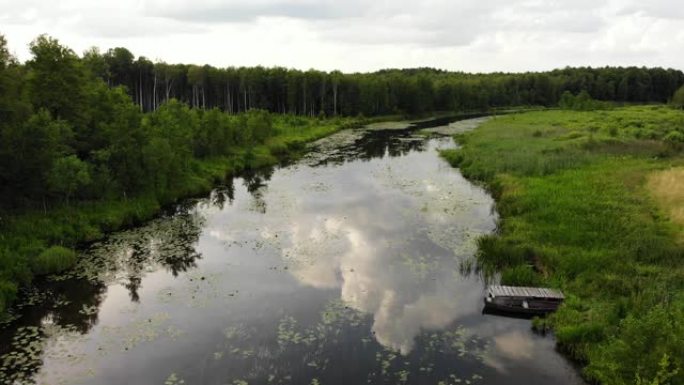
{"type": "Point", "coordinates": [110, 26]}
{"type": "Point", "coordinates": [211, 11]}
{"type": "Point", "coordinates": [93, 19]}
{"type": "Point", "coordinates": [660, 9]}
{"type": "Point", "coordinates": [468, 35]}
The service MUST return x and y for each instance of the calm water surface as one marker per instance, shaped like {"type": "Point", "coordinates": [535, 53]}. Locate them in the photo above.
{"type": "Point", "coordinates": [351, 266]}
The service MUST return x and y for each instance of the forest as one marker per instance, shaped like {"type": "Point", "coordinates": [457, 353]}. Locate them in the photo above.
{"type": "Point", "coordinates": [391, 91]}
{"type": "Point", "coordinates": [109, 128]}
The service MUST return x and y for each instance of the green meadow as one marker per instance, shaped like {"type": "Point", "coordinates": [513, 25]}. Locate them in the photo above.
{"type": "Point", "coordinates": [589, 203]}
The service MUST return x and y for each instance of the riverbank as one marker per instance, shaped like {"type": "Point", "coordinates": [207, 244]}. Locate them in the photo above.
{"type": "Point", "coordinates": [41, 242]}
{"type": "Point", "coordinates": [587, 204]}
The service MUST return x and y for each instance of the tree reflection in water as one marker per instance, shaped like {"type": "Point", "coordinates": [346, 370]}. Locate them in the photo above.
{"type": "Point", "coordinates": [69, 303]}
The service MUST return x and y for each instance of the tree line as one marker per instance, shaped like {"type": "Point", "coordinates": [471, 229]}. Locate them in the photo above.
{"type": "Point", "coordinates": [109, 125]}
{"type": "Point", "coordinates": [410, 91]}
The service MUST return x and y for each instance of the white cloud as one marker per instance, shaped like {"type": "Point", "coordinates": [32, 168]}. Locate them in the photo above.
{"type": "Point", "coordinates": [470, 35]}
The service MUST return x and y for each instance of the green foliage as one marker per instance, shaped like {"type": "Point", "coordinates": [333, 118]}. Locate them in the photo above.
{"type": "Point", "coordinates": [117, 160]}
{"type": "Point", "coordinates": [67, 175]}
{"type": "Point", "coordinates": [259, 124]}
{"type": "Point", "coordinates": [678, 98]}
{"type": "Point", "coordinates": [30, 149]}
{"type": "Point", "coordinates": [675, 139]}
{"type": "Point", "coordinates": [665, 373]}
{"type": "Point", "coordinates": [582, 102]}
{"type": "Point", "coordinates": [575, 214]}
{"type": "Point", "coordinates": [8, 292]}
{"type": "Point", "coordinates": [520, 275]}
{"type": "Point", "coordinates": [54, 260]}
{"type": "Point", "coordinates": [216, 134]}
{"type": "Point", "coordinates": [55, 80]}
{"type": "Point", "coordinates": [657, 334]}
{"type": "Point", "coordinates": [453, 156]}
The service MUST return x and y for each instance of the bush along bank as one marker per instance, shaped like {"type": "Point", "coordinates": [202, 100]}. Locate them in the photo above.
{"type": "Point", "coordinates": [586, 201]}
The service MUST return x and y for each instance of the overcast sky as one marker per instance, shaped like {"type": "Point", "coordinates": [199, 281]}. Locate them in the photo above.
{"type": "Point", "coordinates": [356, 35]}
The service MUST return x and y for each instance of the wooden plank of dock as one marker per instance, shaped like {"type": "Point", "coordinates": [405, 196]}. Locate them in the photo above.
{"type": "Point", "coordinates": [523, 291]}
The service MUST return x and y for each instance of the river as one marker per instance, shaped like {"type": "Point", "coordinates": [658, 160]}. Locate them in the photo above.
{"type": "Point", "coordinates": [352, 265]}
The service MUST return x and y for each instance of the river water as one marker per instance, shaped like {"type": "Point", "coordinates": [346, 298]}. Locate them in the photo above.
{"type": "Point", "coordinates": [353, 265]}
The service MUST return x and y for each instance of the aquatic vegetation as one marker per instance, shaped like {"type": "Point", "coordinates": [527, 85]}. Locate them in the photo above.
{"type": "Point", "coordinates": [382, 126]}
{"type": "Point", "coordinates": [316, 341]}
{"type": "Point", "coordinates": [27, 349]}
{"type": "Point", "coordinates": [422, 266]}
{"type": "Point", "coordinates": [130, 254]}
{"type": "Point", "coordinates": [457, 127]}
{"type": "Point", "coordinates": [89, 310]}
{"type": "Point", "coordinates": [173, 379]}
{"type": "Point", "coordinates": [32, 344]}
{"type": "Point", "coordinates": [287, 332]}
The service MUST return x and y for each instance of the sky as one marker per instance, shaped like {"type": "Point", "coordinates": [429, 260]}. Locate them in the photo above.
{"type": "Point", "coordinates": [362, 36]}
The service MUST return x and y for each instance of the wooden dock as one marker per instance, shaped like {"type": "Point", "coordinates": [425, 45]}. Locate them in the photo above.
{"type": "Point", "coordinates": [523, 300]}
{"type": "Point", "coordinates": [525, 292]}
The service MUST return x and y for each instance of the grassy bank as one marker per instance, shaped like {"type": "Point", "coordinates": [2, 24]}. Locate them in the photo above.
{"type": "Point", "coordinates": [37, 242]}
{"type": "Point", "coordinates": [590, 202]}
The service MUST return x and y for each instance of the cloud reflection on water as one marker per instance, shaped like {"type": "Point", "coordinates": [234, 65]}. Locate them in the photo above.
{"type": "Point", "coordinates": [386, 260]}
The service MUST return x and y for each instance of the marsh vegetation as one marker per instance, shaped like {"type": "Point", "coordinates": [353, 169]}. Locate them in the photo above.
{"type": "Point", "coordinates": [590, 202]}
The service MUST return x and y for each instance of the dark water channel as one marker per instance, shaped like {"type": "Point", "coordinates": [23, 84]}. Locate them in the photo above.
{"type": "Point", "coordinates": [353, 265]}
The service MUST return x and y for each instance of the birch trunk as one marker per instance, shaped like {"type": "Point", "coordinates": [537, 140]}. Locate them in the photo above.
{"type": "Point", "coordinates": [154, 93]}
{"type": "Point", "coordinates": [140, 90]}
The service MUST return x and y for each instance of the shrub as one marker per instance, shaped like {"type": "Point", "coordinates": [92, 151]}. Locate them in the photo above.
{"type": "Point", "coordinates": [453, 156]}
{"type": "Point", "coordinates": [648, 346]}
{"type": "Point", "coordinates": [678, 98]}
{"type": "Point", "coordinates": [521, 275]}
{"type": "Point", "coordinates": [582, 102]}
{"type": "Point", "coordinates": [674, 139]}
{"type": "Point", "coordinates": [574, 134]}
{"type": "Point", "coordinates": [8, 291]}
{"type": "Point", "coordinates": [54, 260]}
{"type": "Point", "coordinates": [277, 147]}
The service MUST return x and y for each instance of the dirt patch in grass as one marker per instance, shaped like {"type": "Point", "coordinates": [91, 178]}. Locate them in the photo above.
{"type": "Point", "coordinates": [667, 187]}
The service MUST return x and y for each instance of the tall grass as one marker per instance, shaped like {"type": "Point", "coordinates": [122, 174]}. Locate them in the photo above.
{"type": "Point", "coordinates": [578, 195]}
